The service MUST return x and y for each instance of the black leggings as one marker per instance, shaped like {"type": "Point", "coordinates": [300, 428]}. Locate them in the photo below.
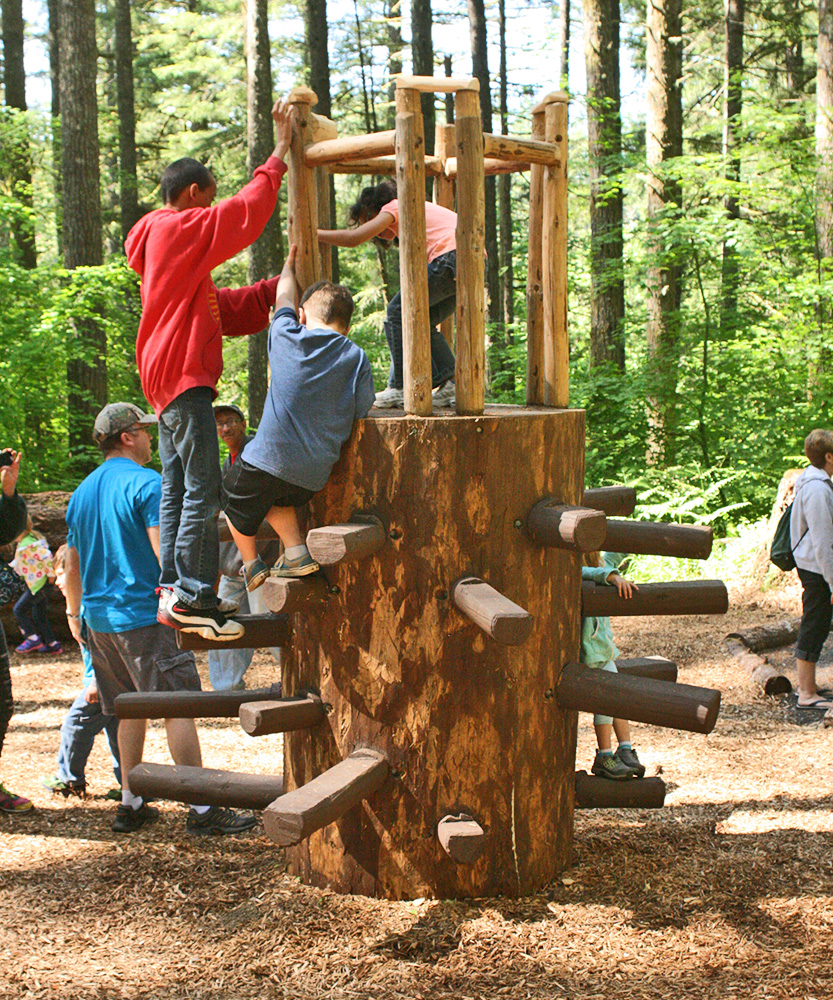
{"type": "Point", "coordinates": [6, 699]}
{"type": "Point", "coordinates": [816, 618]}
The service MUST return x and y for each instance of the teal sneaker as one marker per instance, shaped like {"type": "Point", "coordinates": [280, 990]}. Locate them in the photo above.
{"type": "Point", "coordinates": [256, 575]}
{"type": "Point", "coordinates": [302, 566]}
{"type": "Point", "coordinates": [610, 766]}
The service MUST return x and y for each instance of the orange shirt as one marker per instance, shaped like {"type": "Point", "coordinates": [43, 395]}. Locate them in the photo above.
{"type": "Point", "coordinates": [440, 227]}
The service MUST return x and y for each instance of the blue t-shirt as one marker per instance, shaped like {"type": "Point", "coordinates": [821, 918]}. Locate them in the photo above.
{"type": "Point", "coordinates": [108, 517]}
{"type": "Point", "coordinates": [321, 383]}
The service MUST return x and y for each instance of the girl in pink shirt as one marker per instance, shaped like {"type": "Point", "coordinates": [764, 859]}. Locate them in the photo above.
{"type": "Point", "coordinates": [376, 215]}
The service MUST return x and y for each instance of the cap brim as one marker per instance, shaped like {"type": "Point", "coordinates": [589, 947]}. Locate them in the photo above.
{"type": "Point", "coordinates": [147, 418]}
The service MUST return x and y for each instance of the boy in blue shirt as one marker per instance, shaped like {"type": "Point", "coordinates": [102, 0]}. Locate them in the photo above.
{"type": "Point", "coordinates": [321, 383]}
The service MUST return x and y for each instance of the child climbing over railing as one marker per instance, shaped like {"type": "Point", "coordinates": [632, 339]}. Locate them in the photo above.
{"type": "Point", "coordinates": [598, 650]}
{"type": "Point", "coordinates": [376, 214]}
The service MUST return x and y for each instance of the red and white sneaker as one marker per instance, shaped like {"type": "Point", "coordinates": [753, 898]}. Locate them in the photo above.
{"type": "Point", "coordinates": [209, 623]}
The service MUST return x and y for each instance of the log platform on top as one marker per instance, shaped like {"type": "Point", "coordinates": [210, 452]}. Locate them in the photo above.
{"type": "Point", "coordinates": [602, 793]}
{"type": "Point", "coordinates": [502, 619]}
{"type": "Point", "coordinates": [461, 837]}
{"type": "Point", "coordinates": [563, 526]}
{"type": "Point", "coordinates": [325, 799]}
{"type": "Point", "coordinates": [638, 699]}
{"type": "Point", "coordinates": [262, 718]}
{"type": "Point", "coordinates": [655, 667]}
{"type": "Point", "coordinates": [203, 786]}
{"type": "Point", "coordinates": [190, 704]}
{"type": "Point", "coordinates": [291, 594]}
{"type": "Point", "coordinates": [615, 501]}
{"type": "Point", "coordinates": [685, 597]}
{"type": "Point", "coordinates": [259, 631]}
{"type": "Point", "coordinates": [337, 543]}
{"type": "Point", "coordinates": [684, 541]}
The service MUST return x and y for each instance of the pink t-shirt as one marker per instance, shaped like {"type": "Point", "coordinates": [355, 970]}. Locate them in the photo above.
{"type": "Point", "coordinates": [440, 227]}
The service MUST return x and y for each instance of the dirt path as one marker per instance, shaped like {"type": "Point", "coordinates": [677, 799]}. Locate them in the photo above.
{"type": "Point", "coordinates": [727, 891]}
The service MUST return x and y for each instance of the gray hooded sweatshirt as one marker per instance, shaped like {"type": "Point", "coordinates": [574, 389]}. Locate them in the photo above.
{"type": "Point", "coordinates": [811, 523]}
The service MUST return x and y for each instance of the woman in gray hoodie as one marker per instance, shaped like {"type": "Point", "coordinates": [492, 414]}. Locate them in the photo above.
{"type": "Point", "coordinates": [811, 536]}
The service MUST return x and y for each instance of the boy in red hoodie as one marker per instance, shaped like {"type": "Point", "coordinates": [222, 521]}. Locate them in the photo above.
{"type": "Point", "coordinates": [180, 358]}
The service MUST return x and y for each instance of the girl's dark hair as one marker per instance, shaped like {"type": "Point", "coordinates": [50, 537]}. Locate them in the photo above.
{"type": "Point", "coordinates": [182, 174]}
{"type": "Point", "coordinates": [371, 202]}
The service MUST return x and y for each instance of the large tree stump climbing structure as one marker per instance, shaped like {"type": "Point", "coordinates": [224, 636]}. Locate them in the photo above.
{"type": "Point", "coordinates": [430, 673]}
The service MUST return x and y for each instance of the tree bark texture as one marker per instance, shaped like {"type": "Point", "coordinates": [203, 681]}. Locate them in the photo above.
{"type": "Point", "coordinates": [733, 104]}
{"type": "Point", "coordinates": [564, 44]}
{"type": "Point", "coordinates": [664, 144]}
{"type": "Point", "coordinates": [604, 138]}
{"type": "Point", "coordinates": [824, 175]}
{"type": "Point", "coordinates": [129, 184]}
{"type": "Point", "coordinates": [53, 8]}
{"type": "Point", "coordinates": [505, 381]}
{"type": "Point", "coordinates": [422, 60]}
{"type": "Point", "coordinates": [468, 725]}
{"type": "Point", "coordinates": [393, 27]}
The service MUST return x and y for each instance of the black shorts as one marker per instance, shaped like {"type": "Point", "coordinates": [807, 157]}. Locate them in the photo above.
{"type": "Point", "coordinates": [249, 494]}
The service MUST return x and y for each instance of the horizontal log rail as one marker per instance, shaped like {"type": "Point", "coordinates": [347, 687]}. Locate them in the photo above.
{"type": "Point", "coordinates": [288, 595]}
{"type": "Point", "coordinates": [190, 704]}
{"type": "Point", "coordinates": [685, 541]}
{"type": "Point", "coordinates": [500, 618]}
{"type": "Point", "coordinates": [322, 128]}
{"type": "Point", "coordinates": [299, 813]}
{"type": "Point", "coordinates": [615, 501]}
{"type": "Point", "coordinates": [602, 793]}
{"type": "Point", "coordinates": [462, 838]}
{"type": "Point", "coordinates": [336, 543]}
{"type": "Point", "coordinates": [259, 632]}
{"type": "Point", "coordinates": [383, 165]}
{"type": "Point", "coordinates": [203, 786]}
{"type": "Point", "coordinates": [564, 526]}
{"type": "Point", "coordinates": [437, 84]}
{"type": "Point", "coordinates": [684, 597]}
{"type": "Point", "coordinates": [491, 167]}
{"type": "Point", "coordinates": [515, 149]}
{"type": "Point", "coordinates": [759, 669]}
{"type": "Point", "coordinates": [263, 718]}
{"type": "Point", "coordinates": [638, 699]}
{"type": "Point", "coordinates": [350, 147]}
{"type": "Point", "coordinates": [655, 667]}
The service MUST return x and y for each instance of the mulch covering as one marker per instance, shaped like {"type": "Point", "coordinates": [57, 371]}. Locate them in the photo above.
{"type": "Point", "coordinates": [726, 892]}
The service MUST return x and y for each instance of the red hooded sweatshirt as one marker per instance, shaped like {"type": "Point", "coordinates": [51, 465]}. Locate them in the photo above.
{"type": "Point", "coordinates": [184, 315]}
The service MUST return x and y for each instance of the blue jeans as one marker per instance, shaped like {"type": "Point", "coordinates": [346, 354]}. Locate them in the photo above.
{"type": "Point", "coordinates": [226, 667]}
{"type": "Point", "coordinates": [83, 723]}
{"type": "Point", "coordinates": [188, 541]}
{"type": "Point", "coordinates": [32, 616]}
{"type": "Point", "coordinates": [442, 301]}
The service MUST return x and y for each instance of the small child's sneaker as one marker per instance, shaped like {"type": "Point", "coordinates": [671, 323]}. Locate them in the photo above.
{"type": "Point", "coordinates": [54, 647]}
{"type": "Point", "coordinates": [11, 803]}
{"type": "Point", "coordinates": [256, 575]}
{"type": "Point", "coordinates": [302, 566]}
{"type": "Point", "coordinates": [607, 765]}
{"type": "Point", "coordinates": [206, 622]}
{"type": "Point", "coordinates": [445, 394]}
{"type": "Point", "coordinates": [32, 644]}
{"type": "Point", "coordinates": [628, 757]}
{"type": "Point", "coordinates": [390, 399]}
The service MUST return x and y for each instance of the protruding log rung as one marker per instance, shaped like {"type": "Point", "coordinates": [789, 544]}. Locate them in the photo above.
{"type": "Point", "coordinates": [462, 838]}
{"type": "Point", "coordinates": [685, 541]}
{"type": "Point", "coordinates": [325, 799]}
{"type": "Point", "coordinates": [504, 621]}
{"type": "Point", "coordinates": [259, 632]}
{"type": "Point", "coordinates": [615, 501]}
{"type": "Point", "coordinates": [563, 526]}
{"type": "Point", "coordinates": [685, 597]}
{"type": "Point", "coordinates": [514, 149]}
{"type": "Point", "coordinates": [345, 542]}
{"type": "Point", "coordinates": [639, 699]}
{"type": "Point", "coordinates": [190, 704]}
{"type": "Point", "coordinates": [601, 793]}
{"type": "Point", "coordinates": [289, 595]}
{"type": "Point", "coordinates": [203, 786]}
{"type": "Point", "coordinates": [351, 147]}
{"type": "Point", "coordinates": [262, 718]}
{"type": "Point", "coordinates": [655, 667]}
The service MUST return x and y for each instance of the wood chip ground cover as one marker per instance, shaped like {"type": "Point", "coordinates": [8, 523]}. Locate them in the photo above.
{"type": "Point", "coordinates": [726, 892]}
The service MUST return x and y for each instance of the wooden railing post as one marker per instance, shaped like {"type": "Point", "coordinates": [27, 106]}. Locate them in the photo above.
{"type": "Point", "coordinates": [470, 375]}
{"type": "Point", "coordinates": [410, 183]}
{"type": "Point", "coordinates": [322, 192]}
{"type": "Point", "coordinates": [444, 195]}
{"type": "Point", "coordinates": [556, 341]}
{"type": "Point", "coordinates": [534, 273]}
{"type": "Point", "coordinates": [302, 209]}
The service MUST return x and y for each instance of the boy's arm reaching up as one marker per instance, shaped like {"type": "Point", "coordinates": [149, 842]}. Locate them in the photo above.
{"type": "Point", "coordinates": [287, 296]}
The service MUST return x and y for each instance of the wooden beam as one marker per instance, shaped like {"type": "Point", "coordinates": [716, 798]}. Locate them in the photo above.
{"type": "Point", "coordinates": [263, 718]}
{"type": "Point", "coordinates": [655, 667]}
{"type": "Point", "coordinates": [601, 793]}
{"type": "Point", "coordinates": [322, 191]}
{"type": "Point", "coordinates": [190, 704]}
{"type": "Point", "coordinates": [302, 203]}
{"type": "Point", "coordinates": [350, 147]}
{"type": "Point", "coordinates": [515, 149]}
{"type": "Point", "coordinates": [443, 194]}
{"type": "Point", "coordinates": [685, 597]}
{"type": "Point", "coordinates": [289, 595]}
{"type": "Point", "coordinates": [413, 276]}
{"type": "Point", "coordinates": [299, 813]}
{"type": "Point", "coordinates": [259, 632]}
{"type": "Point", "coordinates": [491, 167]}
{"type": "Point", "coordinates": [762, 673]}
{"type": "Point", "coordinates": [639, 699]}
{"type": "Point", "coordinates": [506, 622]}
{"type": "Point", "coordinates": [615, 501]}
{"type": "Point", "coordinates": [322, 128]}
{"type": "Point", "coordinates": [437, 84]}
{"type": "Point", "coordinates": [203, 786]}
{"type": "Point", "coordinates": [383, 165]}
{"type": "Point", "coordinates": [535, 277]}
{"type": "Point", "coordinates": [685, 541]}
{"type": "Point", "coordinates": [470, 374]}
{"type": "Point", "coordinates": [554, 211]}
{"type": "Point", "coordinates": [338, 543]}
{"type": "Point", "coordinates": [462, 838]}
{"type": "Point", "coordinates": [564, 526]}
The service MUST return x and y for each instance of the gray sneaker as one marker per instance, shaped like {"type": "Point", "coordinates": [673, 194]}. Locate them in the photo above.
{"type": "Point", "coordinates": [609, 766]}
{"type": "Point", "coordinates": [390, 399]}
{"type": "Point", "coordinates": [628, 757]}
{"type": "Point", "coordinates": [444, 395]}
{"type": "Point", "coordinates": [218, 821]}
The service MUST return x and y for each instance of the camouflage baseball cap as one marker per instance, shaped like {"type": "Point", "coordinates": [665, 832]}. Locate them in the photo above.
{"type": "Point", "coordinates": [117, 417]}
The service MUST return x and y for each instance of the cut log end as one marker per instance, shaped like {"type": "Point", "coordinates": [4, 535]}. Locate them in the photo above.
{"type": "Point", "coordinates": [462, 838]}
{"type": "Point", "coordinates": [264, 718]}
{"type": "Point", "coordinates": [565, 526]}
{"type": "Point", "coordinates": [338, 543]}
{"type": "Point", "coordinates": [289, 594]}
{"type": "Point", "coordinates": [502, 619]}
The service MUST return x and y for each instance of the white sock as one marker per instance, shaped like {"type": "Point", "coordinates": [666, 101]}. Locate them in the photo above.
{"type": "Point", "coordinates": [296, 551]}
{"type": "Point", "coordinates": [200, 810]}
{"type": "Point", "coordinates": [129, 799]}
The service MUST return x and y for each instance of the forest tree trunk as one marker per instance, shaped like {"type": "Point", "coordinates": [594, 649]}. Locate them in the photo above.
{"type": "Point", "coordinates": [824, 187]}
{"type": "Point", "coordinates": [128, 182]}
{"type": "Point", "coordinates": [422, 59]}
{"type": "Point", "coordinates": [505, 380]}
{"type": "Point", "coordinates": [733, 103]}
{"type": "Point", "coordinates": [53, 8]}
{"type": "Point", "coordinates": [564, 44]}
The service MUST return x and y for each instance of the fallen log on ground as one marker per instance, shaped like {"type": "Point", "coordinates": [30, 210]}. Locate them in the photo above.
{"type": "Point", "coordinates": [761, 672]}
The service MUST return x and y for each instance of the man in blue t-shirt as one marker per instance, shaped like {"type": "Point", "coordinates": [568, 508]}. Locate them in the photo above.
{"type": "Point", "coordinates": [112, 566]}
{"type": "Point", "coordinates": [321, 384]}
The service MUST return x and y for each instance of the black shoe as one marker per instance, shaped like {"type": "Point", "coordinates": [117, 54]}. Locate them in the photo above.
{"type": "Point", "coordinates": [128, 819]}
{"type": "Point", "coordinates": [208, 623]}
{"type": "Point", "coordinates": [65, 788]}
{"type": "Point", "coordinates": [628, 757]}
{"type": "Point", "coordinates": [219, 820]}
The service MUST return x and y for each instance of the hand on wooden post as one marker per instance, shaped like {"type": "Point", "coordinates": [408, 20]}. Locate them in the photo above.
{"type": "Point", "coordinates": [282, 115]}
